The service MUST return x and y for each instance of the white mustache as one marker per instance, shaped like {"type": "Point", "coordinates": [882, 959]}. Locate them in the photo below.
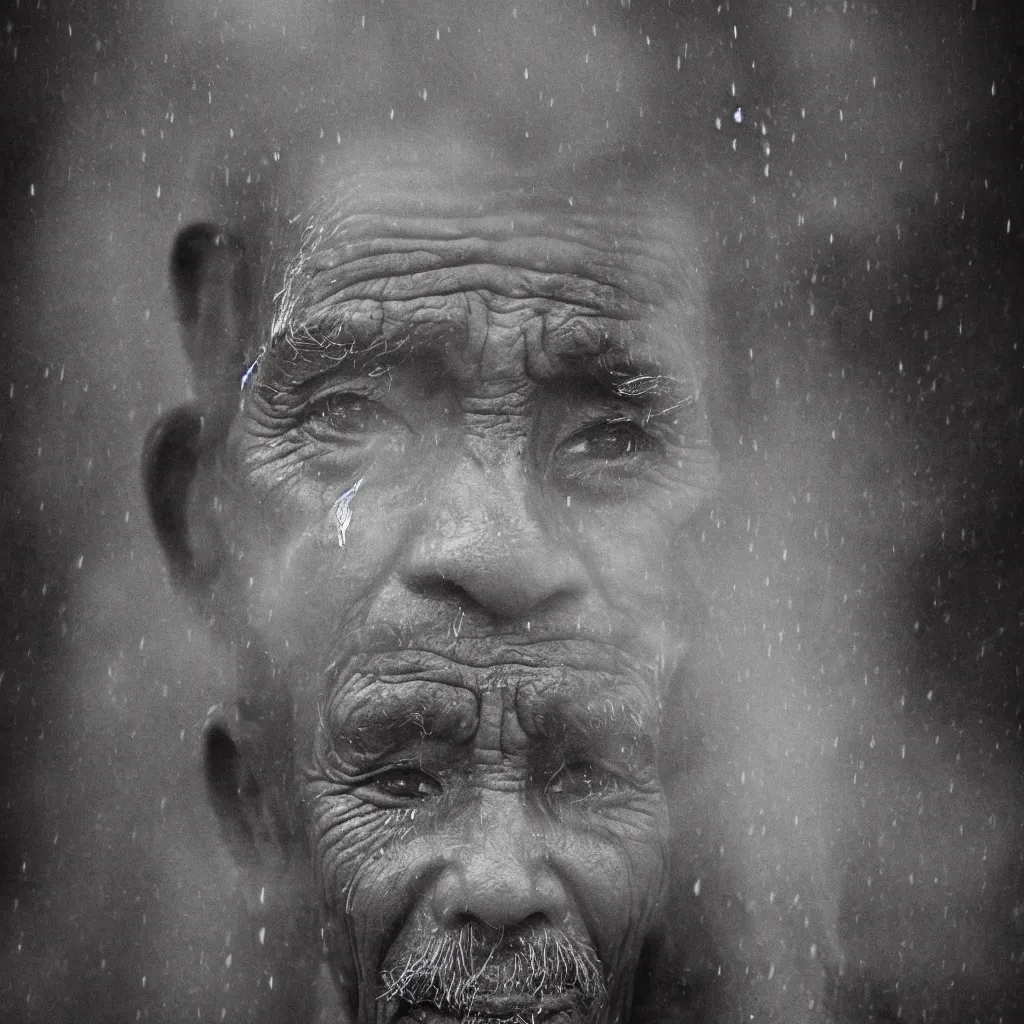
{"type": "Point", "coordinates": [463, 973]}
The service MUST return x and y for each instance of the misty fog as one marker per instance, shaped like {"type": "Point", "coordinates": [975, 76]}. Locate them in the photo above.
{"type": "Point", "coordinates": [854, 170]}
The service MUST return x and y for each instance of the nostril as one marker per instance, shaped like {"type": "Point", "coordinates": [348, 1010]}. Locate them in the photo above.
{"type": "Point", "coordinates": [444, 591]}
{"type": "Point", "coordinates": [498, 893]}
{"type": "Point", "coordinates": [490, 932]}
{"type": "Point", "coordinates": [510, 590]}
{"type": "Point", "coordinates": [466, 608]}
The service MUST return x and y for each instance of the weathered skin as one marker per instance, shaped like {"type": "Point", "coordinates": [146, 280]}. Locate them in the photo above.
{"type": "Point", "coordinates": [444, 528]}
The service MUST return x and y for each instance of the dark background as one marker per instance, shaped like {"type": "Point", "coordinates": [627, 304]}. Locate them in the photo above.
{"type": "Point", "coordinates": [862, 224]}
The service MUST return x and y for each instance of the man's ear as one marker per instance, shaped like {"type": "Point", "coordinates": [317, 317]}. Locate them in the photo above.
{"type": "Point", "coordinates": [245, 793]}
{"type": "Point", "coordinates": [211, 282]}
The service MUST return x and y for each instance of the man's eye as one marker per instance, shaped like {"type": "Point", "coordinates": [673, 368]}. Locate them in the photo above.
{"type": "Point", "coordinates": [607, 454]}
{"type": "Point", "coordinates": [611, 441]}
{"type": "Point", "coordinates": [406, 784]}
{"type": "Point", "coordinates": [582, 779]}
{"type": "Point", "coordinates": [341, 413]}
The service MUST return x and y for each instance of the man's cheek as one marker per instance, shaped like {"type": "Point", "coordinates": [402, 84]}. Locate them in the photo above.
{"type": "Point", "coordinates": [353, 897]}
{"type": "Point", "coordinates": [634, 555]}
{"type": "Point", "coordinates": [362, 852]}
{"type": "Point", "coordinates": [620, 872]}
{"type": "Point", "coordinates": [318, 558]}
{"type": "Point", "coordinates": [367, 861]}
{"type": "Point", "coordinates": [343, 832]}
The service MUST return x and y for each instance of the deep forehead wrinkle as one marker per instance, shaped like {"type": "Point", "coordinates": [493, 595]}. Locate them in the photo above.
{"type": "Point", "coordinates": [403, 235]}
{"type": "Point", "coordinates": [614, 250]}
{"type": "Point", "coordinates": [370, 338]}
{"type": "Point", "coordinates": [614, 269]}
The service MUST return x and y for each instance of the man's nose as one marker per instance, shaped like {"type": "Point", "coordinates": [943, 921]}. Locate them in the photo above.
{"type": "Point", "coordinates": [482, 540]}
{"type": "Point", "coordinates": [496, 875]}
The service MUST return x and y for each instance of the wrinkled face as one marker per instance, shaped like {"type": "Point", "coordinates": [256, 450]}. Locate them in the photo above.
{"type": "Point", "coordinates": [460, 476]}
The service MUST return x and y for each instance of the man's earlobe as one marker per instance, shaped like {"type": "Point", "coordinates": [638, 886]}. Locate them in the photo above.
{"type": "Point", "coordinates": [244, 800]}
{"type": "Point", "coordinates": [170, 460]}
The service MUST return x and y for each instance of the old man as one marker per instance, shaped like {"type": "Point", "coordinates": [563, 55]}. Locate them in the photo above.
{"type": "Point", "coordinates": [435, 493]}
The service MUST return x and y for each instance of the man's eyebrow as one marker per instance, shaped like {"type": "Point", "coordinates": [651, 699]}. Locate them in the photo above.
{"type": "Point", "coordinates": [386, 718]}
{"type": "Point", "coordinates": [601, 725]}
{"type": "Point", "coordinates": [637, 383]}
{"type": "Point", "coordinates": [377, 737]}
{"type": "Point", "coordinates": [619, 373]}
{"type": "Point", "coordinates": [329, 333]}
{"type": "Point", "coordinates": [299, 352]}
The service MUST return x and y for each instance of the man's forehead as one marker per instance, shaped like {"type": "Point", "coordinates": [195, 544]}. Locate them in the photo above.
{"type": "Point", "coordinates": [408, 233]}
{"type": "Point", "coordinates": [576, 207]}
{"type": "Point", "coordinates": [454, 181]}
{"type": "Point", "coordinates": [578, 216]}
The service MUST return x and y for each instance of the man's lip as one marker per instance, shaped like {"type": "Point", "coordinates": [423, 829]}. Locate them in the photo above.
{"type": "Point", "coordinates": [540, 1007]}
{"type": "Point", "coordinates": [498, 1007]}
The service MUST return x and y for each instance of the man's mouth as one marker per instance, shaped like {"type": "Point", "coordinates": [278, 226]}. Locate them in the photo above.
{"type": "Point", "coordinates": [562, 1008]}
